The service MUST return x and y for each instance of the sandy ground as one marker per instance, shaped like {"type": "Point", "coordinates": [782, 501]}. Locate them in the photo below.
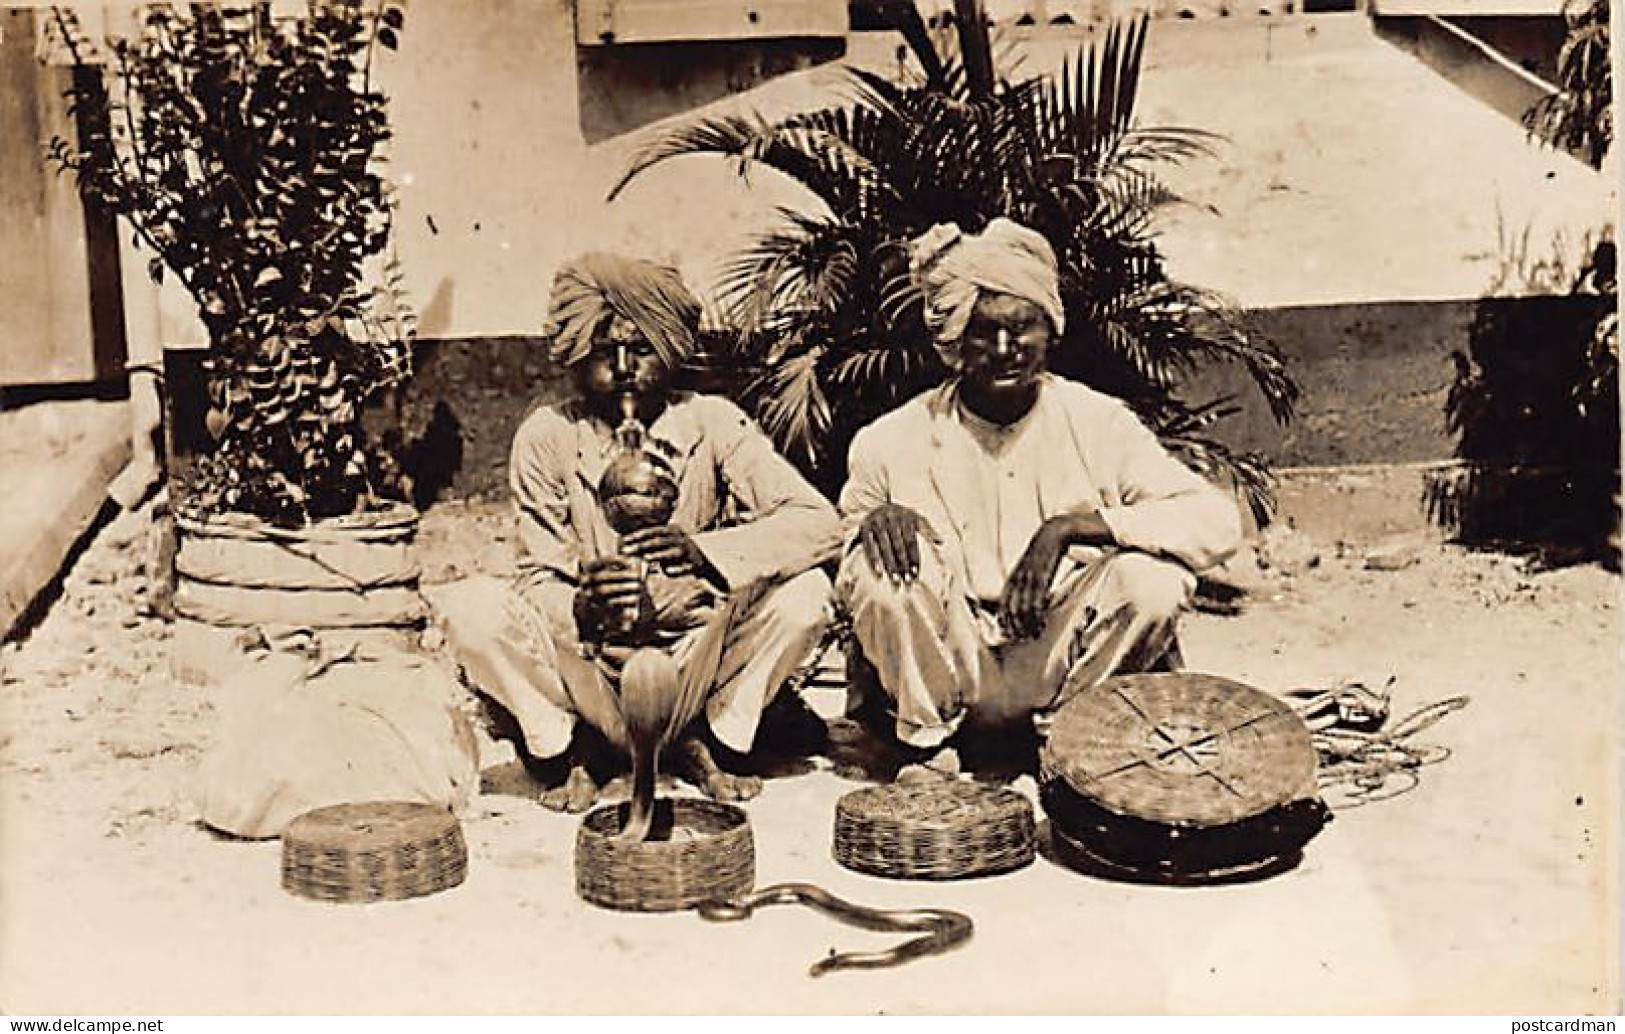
{"type": "Point", "coordinates": [1487, 889]}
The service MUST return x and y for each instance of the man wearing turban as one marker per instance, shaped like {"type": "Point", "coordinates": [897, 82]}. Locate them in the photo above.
{"type": "Point", "coordinates": [724, 577]}
{"type": "Point", "coordinates": [1013, 537]}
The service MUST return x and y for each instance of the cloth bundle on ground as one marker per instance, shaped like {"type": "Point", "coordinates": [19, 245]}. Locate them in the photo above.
{"type": "Point", "coordinates": [299, 732]}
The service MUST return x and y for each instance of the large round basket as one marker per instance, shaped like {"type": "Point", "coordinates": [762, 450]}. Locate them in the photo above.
{"type": "Point", "coordinates": [377, 851]}
{"type": "Point", "coordinates": [1180, 777]}
{"type": "Point", "coordinates": [697, 850]}
{"type": "Point", "coordinates": [938, 830]}
{"type": "Point", "coordinates": [355, 575]}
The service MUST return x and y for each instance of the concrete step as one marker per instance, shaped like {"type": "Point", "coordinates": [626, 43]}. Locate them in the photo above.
{"type": "Point", "coordinates": [57, 459]}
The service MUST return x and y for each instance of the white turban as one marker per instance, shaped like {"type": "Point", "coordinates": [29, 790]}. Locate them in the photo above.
{"type": "Point", "coordinates": [952, 268]}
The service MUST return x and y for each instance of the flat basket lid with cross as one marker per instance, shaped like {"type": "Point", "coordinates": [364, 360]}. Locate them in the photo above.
{"type": "Point", "coordinates": [1180, 777]}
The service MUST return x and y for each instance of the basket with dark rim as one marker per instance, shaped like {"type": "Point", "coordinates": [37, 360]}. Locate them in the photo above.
{"type": "Point", "coordinates": [1180, 777]}
{"type": "Point", "coordinates": [939, 830]}
{"type": "Point", "coordinates": [697, 850]}
{"type": "Point", "coordinates": [374, 851]}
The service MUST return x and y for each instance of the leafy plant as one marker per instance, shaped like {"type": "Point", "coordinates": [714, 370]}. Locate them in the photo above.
{"type": "Point", "coordinates": [1534, 406]}
{"type": "Point", "coordinates": [1579, 117]}
{"type": "Point", "coordinates": [245, 150]}
{"type": "Point", "coordinates": [828, 323]}
{"type": "Point", "coordinates": [1538, 427]}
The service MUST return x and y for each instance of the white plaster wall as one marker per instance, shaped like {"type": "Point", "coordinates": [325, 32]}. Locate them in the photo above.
{"type": "Point", "coordinates": [1351, 172]}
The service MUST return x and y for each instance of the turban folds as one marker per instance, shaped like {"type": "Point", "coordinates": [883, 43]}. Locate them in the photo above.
{"type": "Point", "coordinates": [591, 289]}
{"type": "Point", "coordinates": [952, 268]}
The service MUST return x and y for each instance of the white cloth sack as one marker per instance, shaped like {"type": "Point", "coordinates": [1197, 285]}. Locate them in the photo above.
{"type": "Point", "coordinates": [297, 733]}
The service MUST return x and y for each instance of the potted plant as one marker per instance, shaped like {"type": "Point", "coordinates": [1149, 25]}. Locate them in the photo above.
{"type": "Point", "coordinates": [244, 149]}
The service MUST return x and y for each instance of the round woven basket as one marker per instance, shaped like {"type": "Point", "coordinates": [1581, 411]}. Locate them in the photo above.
{"type": "Point", "coordinates": [378, 851]}
{"type": "Point", "coordinates": [939, 830]}
{"type": "Point", "coordinates": [697, 850]}
{"type": "Point", "coordinates": [1180, 776]}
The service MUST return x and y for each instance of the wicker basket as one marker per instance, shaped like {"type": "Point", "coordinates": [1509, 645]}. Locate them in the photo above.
{"type": "Point", "coordinates": [698, 850]}
{"type": "Point", "coordinates": [939, 830]}
{"type": "Point", "coordinates": [1180, 776]}
{"type": "Point", "coordinates": [378, 851]}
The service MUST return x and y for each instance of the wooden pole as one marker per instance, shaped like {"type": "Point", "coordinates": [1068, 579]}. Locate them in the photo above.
{"type": "Point", "coordinates": [974, 47]}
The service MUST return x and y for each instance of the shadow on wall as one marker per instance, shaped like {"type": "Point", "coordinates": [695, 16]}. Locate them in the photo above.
{"type": "Point", "coordinates": [627, 86]}
{"type": "Point", "coordinates": [1452, 52]}
{"type": "Point", "coordinates": [1535, 410]}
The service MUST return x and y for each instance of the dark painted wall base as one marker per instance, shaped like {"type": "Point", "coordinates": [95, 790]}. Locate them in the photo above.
{"type": "Point", "coordinates": [1380, 382]}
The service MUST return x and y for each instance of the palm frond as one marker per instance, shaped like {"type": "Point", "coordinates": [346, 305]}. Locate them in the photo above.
{"type": "Point", "coordinates": [1219, 333]}
{"type": "Point", "coordinates": [1246, 473]}
{"type": "Point", "coordinates": [899, 297]}
{"type": "Point", "coordinates": [735, 136]}
{"type": "Point", "coordinates": [792, 406]}
{"type": "Point", "coordinates": [1189, 420]}
{"type": "Point", "coordinates": [1164, 145]}
{"type": "Point", "coordinates": [805, 266]}
{"type": "Point", "coordinates": [809, 149]}
{"type": "Point", "coordinates": [1091, 102]}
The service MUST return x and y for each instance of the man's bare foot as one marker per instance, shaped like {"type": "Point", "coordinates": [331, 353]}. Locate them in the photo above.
{"type": "Point", "coordinates": [577, 793]}
{"type": "Point", "coordinates": [944, 764]}
{"type": "Point", "coordinates": [693, 761]}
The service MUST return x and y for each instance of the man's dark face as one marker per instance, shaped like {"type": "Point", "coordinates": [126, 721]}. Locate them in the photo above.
{"type": "Point", "coordinates": [621, 360]}
{"type": "Point", "coordinates": [1003, 353]}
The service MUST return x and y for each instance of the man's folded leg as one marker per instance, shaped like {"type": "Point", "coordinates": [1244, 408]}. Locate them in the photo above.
{"type": "Point", "coordinates": [734, 664]}
{"type": "Point", "coordinates": [518, 646]}
{"type": "Point", "coordinates": [921, 638]}
{"type": "Point", "coordinates": [763, 639]}
{"type": "Point", "coordinates": [1117, 615]}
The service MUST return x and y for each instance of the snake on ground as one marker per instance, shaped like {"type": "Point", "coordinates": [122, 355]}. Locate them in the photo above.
{"type": "Point", "coordinates": [943, 929]}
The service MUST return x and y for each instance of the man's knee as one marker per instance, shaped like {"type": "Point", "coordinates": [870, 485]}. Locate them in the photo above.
{"type": "Point", "coordinates": [470, 612]}
{"type": "Point", "coordinates": [1155, 589]}
{"type": "Point", "coordinates": [800, 606]}
{"type": "Point", "coordinates": [866, 592]}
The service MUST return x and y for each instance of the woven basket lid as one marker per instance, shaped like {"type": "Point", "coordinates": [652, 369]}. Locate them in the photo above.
{"type": "Point", "coordinates": [933, 804]}
{"type": "Point", "coordinates": [1181, 748]}
{"type": "Point", "coordinates": [939, 829]}
{"type": "Point", "coordinates": [373, 851]}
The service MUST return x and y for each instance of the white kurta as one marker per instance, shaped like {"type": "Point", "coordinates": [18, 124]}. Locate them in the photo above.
{"type": "Point", "coordinates": [984, 491]}
{"type": "Point", "coordinates": [518, 641]}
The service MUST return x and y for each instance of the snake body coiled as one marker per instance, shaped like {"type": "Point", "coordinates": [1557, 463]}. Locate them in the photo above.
{"type": "Point", "coordinates": [943, 929]}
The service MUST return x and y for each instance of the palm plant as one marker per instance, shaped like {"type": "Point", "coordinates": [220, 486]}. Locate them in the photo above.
{"type": "Point", "coordinates": [828, 325]}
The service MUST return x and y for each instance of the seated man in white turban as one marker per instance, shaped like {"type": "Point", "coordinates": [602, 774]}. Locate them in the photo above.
{"type": "Point", "coordinates": [724, 579]}
{"type": "Point", "coordinates": [1012, 537]}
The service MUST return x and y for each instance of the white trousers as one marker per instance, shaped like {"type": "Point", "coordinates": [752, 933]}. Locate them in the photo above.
{"type": "Point", "coordinates": [518, 644]}
{"type": "Point", "coordinates": [942, 660]}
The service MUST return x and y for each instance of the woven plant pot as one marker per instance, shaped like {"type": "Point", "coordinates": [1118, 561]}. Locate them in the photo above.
{"type": "Point", "coordinates": [1180, 778]}
{"type": "Point", "coordinates": [939, 830]}
{"type": "Point", "coordinates": [698, 850]}
{"type": "Point", "coordinates": [378, 851]}
{"type": "Point", "coordinates": [356, 575]}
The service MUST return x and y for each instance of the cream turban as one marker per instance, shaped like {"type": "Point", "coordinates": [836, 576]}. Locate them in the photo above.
{"type": "Point", "coordinates": [952, 268]}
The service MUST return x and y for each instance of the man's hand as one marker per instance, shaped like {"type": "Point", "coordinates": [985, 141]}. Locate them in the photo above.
{"type": "Point", "coordinates": [612, 600]}
{"type": "Point", "coordinates": [681, 603]}
{"type": "Point", "coordinates": [668, 548]}
{"type": "Point", "coordinates": [1024, 607]}
{"type": "Point", "coordinates": [891, 540]}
